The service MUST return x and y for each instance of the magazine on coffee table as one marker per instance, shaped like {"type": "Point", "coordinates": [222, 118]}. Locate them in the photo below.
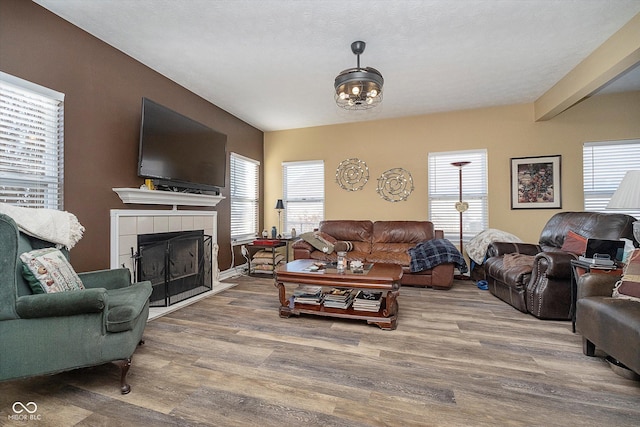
{"type": "Point", "coordinates": [367, 300]}
{"type": "Point", "coordinates": [339, 298]}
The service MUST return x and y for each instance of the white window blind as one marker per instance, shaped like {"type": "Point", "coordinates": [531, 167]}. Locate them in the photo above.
{"type": "Point", "coordinates": [244, 194]}
{"type": "Point", "coordinates": [303, 195]}
{"type": "Point", "coordinates": [444, 190]}
{"type": "Point", "coordinates": [604, 165]}
{"type": "Point", "coordinates": [31, 144]}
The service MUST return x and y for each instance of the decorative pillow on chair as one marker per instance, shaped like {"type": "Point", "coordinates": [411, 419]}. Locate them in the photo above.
{"type": "Point", "coordinates": [47, 271]}
{"type": "Point", "coordinates": [574, 243]}
{"type": "Point", "coordinates": [629, 286]}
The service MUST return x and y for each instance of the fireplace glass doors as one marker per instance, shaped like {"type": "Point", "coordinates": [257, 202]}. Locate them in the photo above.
{"type": "Point", "coordinates": [178, 264]}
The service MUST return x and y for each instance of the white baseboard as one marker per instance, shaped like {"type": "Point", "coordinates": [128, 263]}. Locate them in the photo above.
{"type": "Point", "coordinates": [238, 270]}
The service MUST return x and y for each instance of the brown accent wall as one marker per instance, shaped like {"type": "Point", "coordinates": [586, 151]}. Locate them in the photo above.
{"type": "Point", "coordinates": [103, 89]}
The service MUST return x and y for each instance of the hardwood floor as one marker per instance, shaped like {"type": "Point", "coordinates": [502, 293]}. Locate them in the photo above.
{"type": "Point", "coordinates": [459, 357]}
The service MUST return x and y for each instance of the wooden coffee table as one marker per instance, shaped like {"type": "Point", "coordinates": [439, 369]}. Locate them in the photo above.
{"type": "Point", "coordinates": [380, 277]}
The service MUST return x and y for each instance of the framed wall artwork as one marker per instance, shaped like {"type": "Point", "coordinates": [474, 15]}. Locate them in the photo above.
{"type": "Point", "coordinates": [535, 182]}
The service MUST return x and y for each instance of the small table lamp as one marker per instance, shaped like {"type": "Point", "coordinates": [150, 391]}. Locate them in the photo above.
{"type": "Point", "coordinates": [627, 196]}
{"type": "Point", "coordinates": [280, 208]}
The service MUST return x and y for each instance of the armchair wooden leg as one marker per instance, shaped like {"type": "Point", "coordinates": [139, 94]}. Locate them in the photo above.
{"type": "Point", "coordinates": [124, 365]}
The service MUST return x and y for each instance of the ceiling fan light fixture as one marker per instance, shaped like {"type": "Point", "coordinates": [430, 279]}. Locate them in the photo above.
{"type": "Point", "coordinates": [358, 88]}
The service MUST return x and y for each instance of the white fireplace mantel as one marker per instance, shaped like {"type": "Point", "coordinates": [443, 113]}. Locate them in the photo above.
{"type": "Point", "coordinates": [156, 197]}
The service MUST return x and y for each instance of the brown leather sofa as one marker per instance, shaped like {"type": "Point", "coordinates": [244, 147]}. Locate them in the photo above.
{"type": "Point", "coordinates": [383, 241]}
{"type": "Point", "coordinates": [610, 324]}
{"type": "Point", "coordinates": [544, 287]}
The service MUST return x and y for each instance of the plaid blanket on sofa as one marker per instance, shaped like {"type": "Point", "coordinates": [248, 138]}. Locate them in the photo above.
{"type": "Point", "coordinates": [431, 253]}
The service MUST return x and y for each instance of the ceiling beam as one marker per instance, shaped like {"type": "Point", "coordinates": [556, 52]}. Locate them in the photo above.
{"type": "Point", "coordinates": [615, 56]}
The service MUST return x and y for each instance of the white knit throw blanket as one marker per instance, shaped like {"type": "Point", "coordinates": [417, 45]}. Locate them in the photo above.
{"type": "Point", "coordinates": [478, 245]}
{"type": "Point", "coordinates": [59, 227]}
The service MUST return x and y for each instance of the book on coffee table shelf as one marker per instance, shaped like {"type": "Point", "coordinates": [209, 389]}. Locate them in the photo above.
{"type": "Point", "coordinates": [339, 298]}
{"type": "Point", "coordinates": [367, 301]}
{"type": "Point", "coordinates": [308, 294]}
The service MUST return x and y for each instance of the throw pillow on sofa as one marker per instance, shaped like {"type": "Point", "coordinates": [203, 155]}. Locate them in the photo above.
{"type": "Point", "coordinates": [319, 240]}
{"type": "Point", "coordinates": [47, 271]}
{"type": "Point", "coordinates": [629, 286]}
{"type": "Point", "coordinates": [574, 243]}
{"type": "Point", "coordinates": [343, 246]}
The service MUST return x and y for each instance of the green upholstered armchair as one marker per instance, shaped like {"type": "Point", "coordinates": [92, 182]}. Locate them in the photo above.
{"type": "Point", "coordinates": [49, 333]}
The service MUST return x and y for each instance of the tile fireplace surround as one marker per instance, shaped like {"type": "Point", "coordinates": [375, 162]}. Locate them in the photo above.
{"type": "Point", "coordinates": [126, 225]}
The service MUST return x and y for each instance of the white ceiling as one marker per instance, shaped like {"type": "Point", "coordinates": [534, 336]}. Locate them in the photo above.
{"type": "Point", "coordinates": [272, 62]}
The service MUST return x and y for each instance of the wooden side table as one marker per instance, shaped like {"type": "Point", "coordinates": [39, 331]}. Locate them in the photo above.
{"type": "Point", "coordinates": [255, 247]}
{"type": "Point", "coordinates": [578, 268]}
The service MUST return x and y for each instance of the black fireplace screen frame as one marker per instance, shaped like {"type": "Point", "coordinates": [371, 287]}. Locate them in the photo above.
{"type": "Point", "coordinates": [178, 264]}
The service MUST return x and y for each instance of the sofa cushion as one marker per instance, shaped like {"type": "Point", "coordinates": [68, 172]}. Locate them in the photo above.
{"type": "Point", "coordinates": [517, 276]}
{"type": "Point", "coordinates": [47, 271]}
{"type": "Point", "coordinates": [398, 237]}
{"type": "Point", "coordinates": [518, 260]}
{"type": "Point", "coordinates": [351, 256]}
{"type": "Point", "coordinates": [125, 305]}
{"type": "Point", "coordinates": [390, 257]}
{"type": "Point", "coordinates": [358, 232]}
{"type": "Point", "coordinates": [402, 231]}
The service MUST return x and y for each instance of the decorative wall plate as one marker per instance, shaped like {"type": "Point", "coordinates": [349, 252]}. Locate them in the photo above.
{"type": "Point", "coordinates": [395, 185]}
{"type": "Point", "coordinates": [352, 174]}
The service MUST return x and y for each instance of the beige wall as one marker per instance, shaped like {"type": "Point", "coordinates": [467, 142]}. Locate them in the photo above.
{"type": "Point", "coordinates": [508, 131]}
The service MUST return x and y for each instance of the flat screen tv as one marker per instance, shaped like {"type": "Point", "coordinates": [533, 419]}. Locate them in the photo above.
{"type": "Point", "coordinates": [179, 153]}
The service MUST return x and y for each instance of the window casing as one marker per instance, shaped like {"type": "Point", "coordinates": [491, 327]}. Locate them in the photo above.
{"type": "Point", "coordinates": [444, 190]}
{"type": "Point", "coordinates": [303, 195]}
{"type": "Point", "coordinates": [604, 164]}
{"type": "Point", "coordinates": [244, 195]}
{"type": "Point", "coordinates": [31, 144]}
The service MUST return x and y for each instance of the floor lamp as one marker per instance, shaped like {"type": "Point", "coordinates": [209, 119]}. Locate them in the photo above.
{"type": "Point", "coordinates": [461, 206]}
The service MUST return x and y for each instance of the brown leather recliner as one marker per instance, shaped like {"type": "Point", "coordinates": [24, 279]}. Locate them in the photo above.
{"type": "Point", "coordinates": [544, 288]}
{"type": "Point", "coordinates": [608, 323]}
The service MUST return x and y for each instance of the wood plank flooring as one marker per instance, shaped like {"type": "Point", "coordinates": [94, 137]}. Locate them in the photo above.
{"type": "Point", "coordinates": [458, 358]}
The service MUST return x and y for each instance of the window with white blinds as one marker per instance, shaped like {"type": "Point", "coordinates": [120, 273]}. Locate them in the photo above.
{"type": "Point", "coordinates": [303, 195]}
{"type": "Point", "coordinates": [31, 144]}
{"type": "Point", "coordinates": [244, 195]}
{"type": "Point", "coordinates": [604, 165]}
{"type": "Point", "coordinates": [444, 190]}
